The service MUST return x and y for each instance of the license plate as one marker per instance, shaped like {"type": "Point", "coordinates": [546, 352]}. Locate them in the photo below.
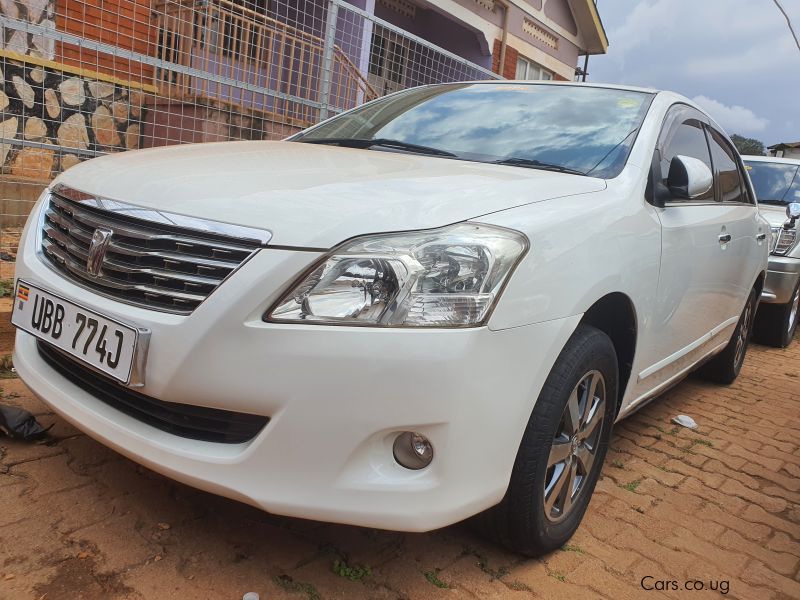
{"type": "Point", "coordinates": [98, 341]}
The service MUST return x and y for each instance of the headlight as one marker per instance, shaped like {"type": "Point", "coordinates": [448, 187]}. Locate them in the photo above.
{"type": "Point", "coordinates": [447, 277]}
{"type": "Point", "coordinates": [785, 241]}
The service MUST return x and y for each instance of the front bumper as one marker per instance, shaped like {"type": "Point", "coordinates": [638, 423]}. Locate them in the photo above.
{"type": "Point", "coordinates": [783, 274]}
{"type": "Point", "coordinates": [336, 397]}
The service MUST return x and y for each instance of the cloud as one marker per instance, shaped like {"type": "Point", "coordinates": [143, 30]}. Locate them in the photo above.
{"type": "Point", "coordinates": [739, 53]}
{"type": "Point", "coordinates": [639, 26]}
{"type": "Point", "coordinates": [748, 61]}
{"type": "Point", "coordinates": [687, 34]}
{"type": "Point", "coordinates": [735, 118]}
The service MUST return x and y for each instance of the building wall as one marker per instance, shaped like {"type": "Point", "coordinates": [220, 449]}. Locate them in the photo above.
{"type": "Point", "coordinates": [36, 12]}
{"type": "Point", "coordinates": [127, 24]}
{"type": "Point", "coordinates": [544, 32]}
{"type": "Point", "coordinates": [787, 153]}
{"type": "Point", "coordinates": [44, 106]}
{"type": "Point", "coordinates": [534, 38]}
{"type": "Point", "coordinates": [560, 13]}
{"type": "Point", "coordinates": [171, 122]}
{"type": "Point", "coordinates": [44, 102]}
{"type": "Point", "coordinates": [441, 30]}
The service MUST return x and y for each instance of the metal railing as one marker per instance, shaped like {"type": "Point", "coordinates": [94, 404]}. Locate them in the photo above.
{"type": "Point", "coordinates": [223, 38]}
{"type": "Point", "coordinates": [83, 78]}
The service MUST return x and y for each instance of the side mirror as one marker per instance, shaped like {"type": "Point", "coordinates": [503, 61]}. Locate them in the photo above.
{"type": "Point", "coordinates": [792, 213]}
{"type": "Point", "coordinates": [689, 177]}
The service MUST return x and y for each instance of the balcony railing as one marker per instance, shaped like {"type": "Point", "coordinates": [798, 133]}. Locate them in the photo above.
{"type": "Point", "coordinates": [280, 65]}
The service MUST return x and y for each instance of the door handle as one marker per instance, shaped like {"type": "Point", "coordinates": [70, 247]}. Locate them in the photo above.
{"type": "Point", "coordinates": [761, 237]}
{"type": "Point", "coordinates": [724, 238]}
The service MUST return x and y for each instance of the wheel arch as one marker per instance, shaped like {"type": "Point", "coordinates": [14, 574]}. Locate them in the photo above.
{"type": "Point", "coordinates": [615, 315]}
{"type": "Point", "coordinates": [759, 284]}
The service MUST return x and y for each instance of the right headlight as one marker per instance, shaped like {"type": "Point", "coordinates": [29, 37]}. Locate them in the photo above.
{"type": "Point", "coordinates": [448, 277]}
{"type": "Point", "coordinates": [784, 240]}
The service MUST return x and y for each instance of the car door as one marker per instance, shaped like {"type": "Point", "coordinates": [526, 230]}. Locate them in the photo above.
{"type": "Point", "coordinates": [693, 312]}
{"type": "Point", "coordinates": [747, 231]}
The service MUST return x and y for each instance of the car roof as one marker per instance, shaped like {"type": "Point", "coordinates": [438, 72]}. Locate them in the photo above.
{"type": "Point", "coordinates": [612, 86]}
{"type": "Point", "coordinates": [772, 159]}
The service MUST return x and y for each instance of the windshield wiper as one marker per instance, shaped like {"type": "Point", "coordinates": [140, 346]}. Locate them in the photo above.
{"type": "Point", "coordinates": [532, 163]}
{"type": "Point", "coordinates": [770, 201]}
{"type": "Point", "coordinates": [362, 143]}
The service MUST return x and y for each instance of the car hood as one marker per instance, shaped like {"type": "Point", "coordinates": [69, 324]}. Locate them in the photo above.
{"type": "Point", "coordinates": [316, 196]}
{"type": "Point", "coordinates": [776, 215]}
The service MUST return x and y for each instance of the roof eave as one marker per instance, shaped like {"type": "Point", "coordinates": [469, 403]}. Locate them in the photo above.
{"type": "Point", "coordinates": [590, 25]}
{"type": "Point", "coordinates": [784, 145]}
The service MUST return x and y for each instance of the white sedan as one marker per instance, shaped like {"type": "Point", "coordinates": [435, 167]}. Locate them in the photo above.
{"type": "Point", "coordinates": [432, 306]}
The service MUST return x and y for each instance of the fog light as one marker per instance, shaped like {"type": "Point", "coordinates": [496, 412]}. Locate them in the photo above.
{"type": "Point", "coordinates": [412, 450]}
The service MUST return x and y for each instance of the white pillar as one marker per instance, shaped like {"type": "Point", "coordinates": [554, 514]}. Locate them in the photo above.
{"type": "Point", "coordinates": [366, 44]}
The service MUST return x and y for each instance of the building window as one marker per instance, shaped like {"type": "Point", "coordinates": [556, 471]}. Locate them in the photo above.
{"type": "Point", "coordinates": [527, 69]}
{"type": "Point", "coordinates": [388, 59]}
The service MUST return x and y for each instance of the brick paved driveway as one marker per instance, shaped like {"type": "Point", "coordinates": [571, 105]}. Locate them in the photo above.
{"type": "Point", "coordinates": [720, 505]}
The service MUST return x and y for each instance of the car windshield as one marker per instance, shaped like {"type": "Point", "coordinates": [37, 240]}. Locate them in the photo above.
{"type": "Point", "coordinates": [568, 128]}
{"type": "Point", "coordinates": [774, 182]}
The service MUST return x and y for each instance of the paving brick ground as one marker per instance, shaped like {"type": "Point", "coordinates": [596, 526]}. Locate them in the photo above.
{"type": "Point", "coordinates": [720, 506]}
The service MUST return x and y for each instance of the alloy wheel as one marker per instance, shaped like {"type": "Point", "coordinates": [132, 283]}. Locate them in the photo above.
{"type": "Point", "coordinates": [575, 445]}
{"type": "Point", "coordinates": [793, 310]}
{"type": "Point", "coordinates": [744, 333]}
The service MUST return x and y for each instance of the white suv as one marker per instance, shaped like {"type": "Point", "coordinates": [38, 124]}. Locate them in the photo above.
{"type": "Point", "coordinates": [777, 185]}
{"type": "Point", "coordinates": [432, 306]}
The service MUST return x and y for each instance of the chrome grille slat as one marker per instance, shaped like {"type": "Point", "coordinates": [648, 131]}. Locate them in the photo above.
{"type": "Point", "coordinates": [146, 263]}
{"type": "Point", "coordinates": [82, 254]}
{"type": "Point", "coordinates": [75, 267]}
{"type": "Point", "coordinates": [89, 220]}
{"type": "Point", "coordinates": [119, 248]}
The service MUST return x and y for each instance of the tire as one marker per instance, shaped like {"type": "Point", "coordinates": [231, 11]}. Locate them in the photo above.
{"type": "Point", "coordinates": [523, 521]}
{"type": "Point", "coordinates": [725, 367]}
{"type": "Point", "coordinates": [776, 324]}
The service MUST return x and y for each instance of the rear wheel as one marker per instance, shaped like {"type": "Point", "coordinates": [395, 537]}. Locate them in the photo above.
{"type": "Point", "coordinates": [725, 366]}
{"type": "Point", "coordinates": [562, 449]}
{"type": "Point", "coordinates": [776, 324]}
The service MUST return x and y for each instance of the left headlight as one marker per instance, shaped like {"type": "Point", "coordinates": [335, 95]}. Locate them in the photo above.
{"type": "Point", "coordinates": [448, 277]}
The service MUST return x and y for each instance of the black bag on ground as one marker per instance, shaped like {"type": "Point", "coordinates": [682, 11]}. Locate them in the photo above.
{"type": "Point", "coordinates": [18, 423]}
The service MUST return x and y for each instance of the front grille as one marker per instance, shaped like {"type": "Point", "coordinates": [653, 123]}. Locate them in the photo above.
{"type": "Point", "coordinates": [184, 420]}
{"type": "Point", "coordinates": [149, 264]}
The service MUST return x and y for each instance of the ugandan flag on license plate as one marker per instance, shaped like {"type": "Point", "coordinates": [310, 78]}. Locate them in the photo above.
{"type": "Point", "coordinates": [22, 292]}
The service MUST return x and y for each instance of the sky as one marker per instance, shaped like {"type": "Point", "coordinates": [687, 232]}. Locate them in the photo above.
{"type": "Point", "coordinates": [735, 58]}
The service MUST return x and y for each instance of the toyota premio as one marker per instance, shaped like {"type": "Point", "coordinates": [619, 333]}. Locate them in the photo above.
{"type": "Point", "coordinates": [429, 308]}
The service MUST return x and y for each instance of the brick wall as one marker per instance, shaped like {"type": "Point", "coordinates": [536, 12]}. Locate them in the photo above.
{"type": "Point", "coordinates": [127, 24]}
{"type": "Point", "coordinates": [510, 68]}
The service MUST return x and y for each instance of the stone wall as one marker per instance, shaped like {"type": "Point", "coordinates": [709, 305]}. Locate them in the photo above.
{"type": "Point", "coordinates": [72, 114]}
{"type": "Point", "coordinates": [38, 12]}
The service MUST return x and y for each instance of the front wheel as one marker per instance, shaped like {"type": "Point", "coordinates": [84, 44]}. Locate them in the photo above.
{"type": "Point", "coordinates": [776, 324]}
{"type": "Point", "coordinates": [562, 449]}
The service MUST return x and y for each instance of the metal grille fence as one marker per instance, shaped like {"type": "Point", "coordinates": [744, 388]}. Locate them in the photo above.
{"type": "Point", "coordinates": [82, 78]}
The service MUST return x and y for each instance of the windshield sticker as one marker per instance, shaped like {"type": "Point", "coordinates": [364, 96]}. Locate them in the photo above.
{"type": "Point", "coordinates": [629, 103]}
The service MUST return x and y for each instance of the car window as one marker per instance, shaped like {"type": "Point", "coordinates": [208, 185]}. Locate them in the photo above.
{"type": "Point", "coordinates": [775, 183]}
{"type": "Point", "coordinates": [726, 170]}
{"type": "Point", "coordinates": [687, 139]}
